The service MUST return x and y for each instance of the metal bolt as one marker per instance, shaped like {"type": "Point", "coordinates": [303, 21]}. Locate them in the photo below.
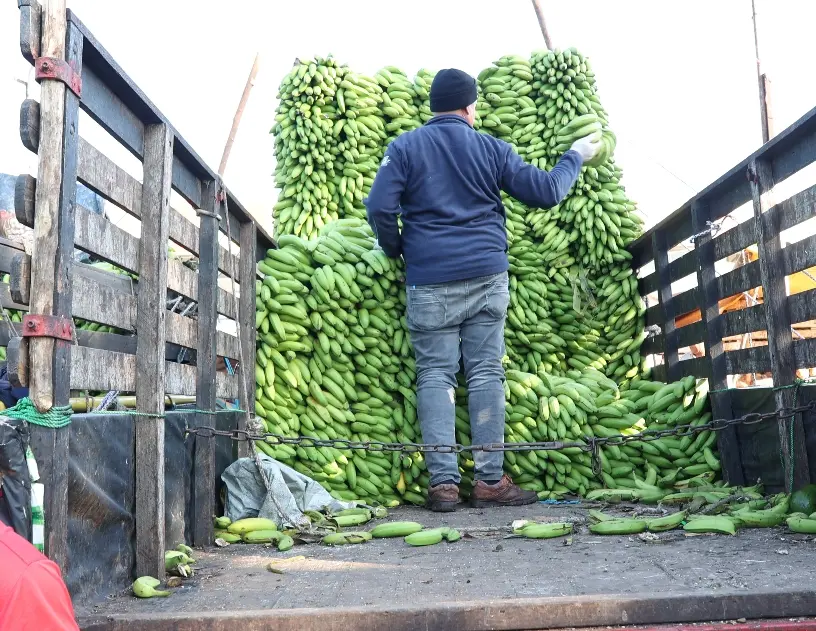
{"type": "Point", "coordinates": [32, 324]}
{"type": "Point", "coordinates": [45, 66]}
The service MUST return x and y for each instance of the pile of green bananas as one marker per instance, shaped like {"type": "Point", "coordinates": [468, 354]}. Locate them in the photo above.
{"type": "Point", "coordinates": [334, 358]}
{"type": "Point", "coordinates": [334, 361]}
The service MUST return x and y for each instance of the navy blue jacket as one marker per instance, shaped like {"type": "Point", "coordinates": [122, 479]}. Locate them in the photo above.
{"type": "Point", "coordinates": [444, 180]}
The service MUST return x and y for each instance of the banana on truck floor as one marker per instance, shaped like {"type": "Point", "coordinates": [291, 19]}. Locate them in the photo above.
{"type": "Point", "coordinates": [487, 565]}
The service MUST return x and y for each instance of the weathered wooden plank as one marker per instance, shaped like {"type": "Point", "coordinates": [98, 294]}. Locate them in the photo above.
{"type": "Point", "coordinates": [150, 322]}
{"type": "Point", "coordinates": [100, 237]}
{"type": "Point", "coordinates": [659, 372]}
{"type": "Point", "coordinates": [777, 317]}
{"type": "Point", "coordinates": [8, 254]}
{"type": "Point", "coordinates": [184, 281]}
{"type": "Point", "coordinates": [25, 189]}
{"type": "Point", "coordinates": [712, 327]}
{"type": "Point", "coordinates": [246, 330]}
{"type": "Point", "coordinates": [30, 124]}
{"type": "Point", "coordinates": [30, 29]}
{"type": "Point", "coordinates": [788, 152]}
{"type": "Point", "coordinates": [687, 302]}
{"type": "Point", "coordinates": [54, 245]}
{"type": "Point", "coordinates": [96, 369]}
{"type": "Point", "coordinates": [99, 302]}
{"type": "Point", "coordinates": [802, 306]}
{"type": "Point", "coordinates": [743, 321]}
{"type": "Point", "coordinates": [648, 284]}
{"type": "Point", "coordinates": [799, 256]}
{"type": "Point", "coordinates": [660, 254]}
{"type": "Point", "coordinates": [754, 359]}
{"type": "Point", "coordinates": [652, 346]}
{"type": "Point", "coordinates": [181, 379]}
{"type": "Point", "coordinates": [654, 315]}
{"type": "Point", "coordinates": [690, 334]}
{"type": "Point", "coordinates": [683, 266]}
{"type": "Point", "coordinates": [797, 208]}
{"type": "Point", "coordinates": [739, 280]}
{"type": "Point", "coordinates": [738, 238]}
{"type": "Point", "coordinates": [697, 366]}
{"type": "Point", "coordinates": [204, 486]}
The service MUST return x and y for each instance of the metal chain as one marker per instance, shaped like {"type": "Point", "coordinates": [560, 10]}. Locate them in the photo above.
{"type": "Point", "coordinates": [590, 444]}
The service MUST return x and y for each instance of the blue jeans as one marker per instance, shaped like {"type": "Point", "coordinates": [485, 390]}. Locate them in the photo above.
{"type": "Point", "coordinates": [448, 321]}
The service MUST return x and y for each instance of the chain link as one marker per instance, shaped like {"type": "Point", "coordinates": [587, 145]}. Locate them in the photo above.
{"type": "Point", "coordinates": [590, 444]}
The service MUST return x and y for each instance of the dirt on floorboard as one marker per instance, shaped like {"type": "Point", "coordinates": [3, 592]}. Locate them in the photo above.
{"type": "Point", "coordinates": [486, 564]}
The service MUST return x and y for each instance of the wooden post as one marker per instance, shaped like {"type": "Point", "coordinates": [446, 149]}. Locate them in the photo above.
{"type": "Point", "coordinates": [246, 321]}
{"type": "Point", "coordinates": [777, 317]}
{"type": "Point", "coordinates": [660, 253]}
{"type": "Point", "coordinates": [765, 113]}
{"type": "Point", "coordinates": [150, 324]}
{"type": "Point", "coordinates": [236, 121]}
{"type": "Point", "coordinates": [542, 23]}
{"type": "Point", "coordinates": [50, 270]}
{"type": "Point", "coordinates": [204, 491]}
{"type": "Point", "coordinates": [727, 441]}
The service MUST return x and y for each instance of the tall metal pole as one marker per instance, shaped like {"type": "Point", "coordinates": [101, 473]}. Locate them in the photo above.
{"type": "Point", "coordinates": [238, 114]}
{"type": "Point", "coordinates": [542, 23]}
{"type": "Point", "coordinates": [765, 111]}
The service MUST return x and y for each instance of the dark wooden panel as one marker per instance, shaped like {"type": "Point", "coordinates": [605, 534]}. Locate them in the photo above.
{"type": "Point", "coordinates": [247, 331]}
{"type": "Point", "coordinates": [690, 334]}
{"type": "Point", "coordinates": [667, 304]}
{"type": "Point", "coordinates": [652, 345]}
{"type": "Point", "coordinates": [712, 327]}
{"type": "Point", "coordinates": [50, 270]}
{"type": "Point", "coordinates": [683, 266]}
{"type": "Point", "coordinates": [204, 497]}
{"type": "Point", "coordinates": [800, 255]}
{"type": "Point", "coordinates": [780, 341]}
{"type": "Point", "coordinates": [648, 284]}
{"type": "Point", "coordinates": [743, 321]}
{"type": "Point", "coordinates": [738, 280]}
{"type": "Point", "coordinates": [150, 322]}
{"type": "Point", "coordinates": [687, 302]}
{"type": "Point", "coordinates": [697, 366]}
{"type": "Point", "coordinates": [735, 240]}
{"type": "Point", "coordinates": [802, 306]}
{"type": "Point", "coordinates": [654, 315]}
{"type": "Point", "coordinates": [748, 360]}
{"type": "Point", "coordinates": [787, 152]}
{"type": "Point", "coordinates": [659, 373]}
{"type": "Point", "coordinates": [30, 29]}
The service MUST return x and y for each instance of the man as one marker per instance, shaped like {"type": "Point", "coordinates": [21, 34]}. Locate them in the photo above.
{"type": "Point", "coordinates": [32, 594]}
{"type": "Point", "coordinates": [444, 180]}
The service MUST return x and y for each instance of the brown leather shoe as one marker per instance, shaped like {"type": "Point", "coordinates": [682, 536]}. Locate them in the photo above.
{"type": "Point", "coordinates": [443, 498]}
{"type": "Point", "coordinates": [504, 493]}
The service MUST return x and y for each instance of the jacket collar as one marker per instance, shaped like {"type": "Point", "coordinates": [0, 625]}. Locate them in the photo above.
{"type": "Point", "coordinates": [448, 119]}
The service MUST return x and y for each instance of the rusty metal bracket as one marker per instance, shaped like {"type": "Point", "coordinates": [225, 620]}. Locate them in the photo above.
{"type": "Point", "coordinates": [58, 327]}
{"type": "Point", "coordinates": [59, 70]}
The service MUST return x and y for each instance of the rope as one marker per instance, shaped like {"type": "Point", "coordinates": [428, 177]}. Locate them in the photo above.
{"type": "Point", "coordinates": [58, 416]}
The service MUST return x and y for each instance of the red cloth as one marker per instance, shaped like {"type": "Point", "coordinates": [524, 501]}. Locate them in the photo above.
{"type": "Point", "coordinates": [33, 596]}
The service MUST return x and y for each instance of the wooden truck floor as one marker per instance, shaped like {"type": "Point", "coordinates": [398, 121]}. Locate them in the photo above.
{"type": "Point", "coordinates": [487, 581]}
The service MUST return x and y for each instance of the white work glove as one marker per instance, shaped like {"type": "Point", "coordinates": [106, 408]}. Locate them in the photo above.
{"type": "Point", "coordinates": [588, 146]}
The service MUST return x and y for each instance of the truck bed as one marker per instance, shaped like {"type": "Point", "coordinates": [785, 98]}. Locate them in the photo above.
{"type": "Point", "coordinates": [578, 581]}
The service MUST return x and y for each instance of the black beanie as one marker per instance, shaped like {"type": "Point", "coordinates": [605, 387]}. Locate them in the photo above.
{"type": "Point", "coordinates": [452, 90]}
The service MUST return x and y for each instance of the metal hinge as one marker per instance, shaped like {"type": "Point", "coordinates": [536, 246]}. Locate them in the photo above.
{"type": "Point", "coordinates": [59, 70]}
{"type": "Point", "coordinates": [58, 327]}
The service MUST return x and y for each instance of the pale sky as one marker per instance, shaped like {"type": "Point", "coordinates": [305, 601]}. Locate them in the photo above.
{"type": "Point", "coordinates": [678, 79]}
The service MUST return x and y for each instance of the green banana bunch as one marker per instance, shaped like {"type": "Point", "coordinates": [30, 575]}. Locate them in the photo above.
{"type": "Point", "coordinates": [145, 587]}
{"type": "Point", "coordinates": [533, 530]}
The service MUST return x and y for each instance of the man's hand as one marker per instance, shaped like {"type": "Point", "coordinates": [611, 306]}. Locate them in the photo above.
{"type": "Point", "coordinates": [588, 146]}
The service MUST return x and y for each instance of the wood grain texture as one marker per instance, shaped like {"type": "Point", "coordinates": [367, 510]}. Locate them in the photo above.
{"type": "Point", "coordinates": [49, 359]}
{"type": "Point", "coordinates": [247, 331]}
{"type": "Point", "coordinates": [30, 124]}
{"type": "Point", "coordinates": [204, 485]}
{"type": "Point", "coordinates": [777, 317]}
{"type": "Point", "coordinates": [150, 323]}
{"type": "Point", "coordinates": [24, 199]}
{"type": "Point", "coordinates": [660, 252]}
{"type": "Point", "coordinates": [712, 322]}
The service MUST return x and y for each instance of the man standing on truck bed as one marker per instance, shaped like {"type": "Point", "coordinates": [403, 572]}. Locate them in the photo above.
{"type": "Point", "coordinates": [444, 180]}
